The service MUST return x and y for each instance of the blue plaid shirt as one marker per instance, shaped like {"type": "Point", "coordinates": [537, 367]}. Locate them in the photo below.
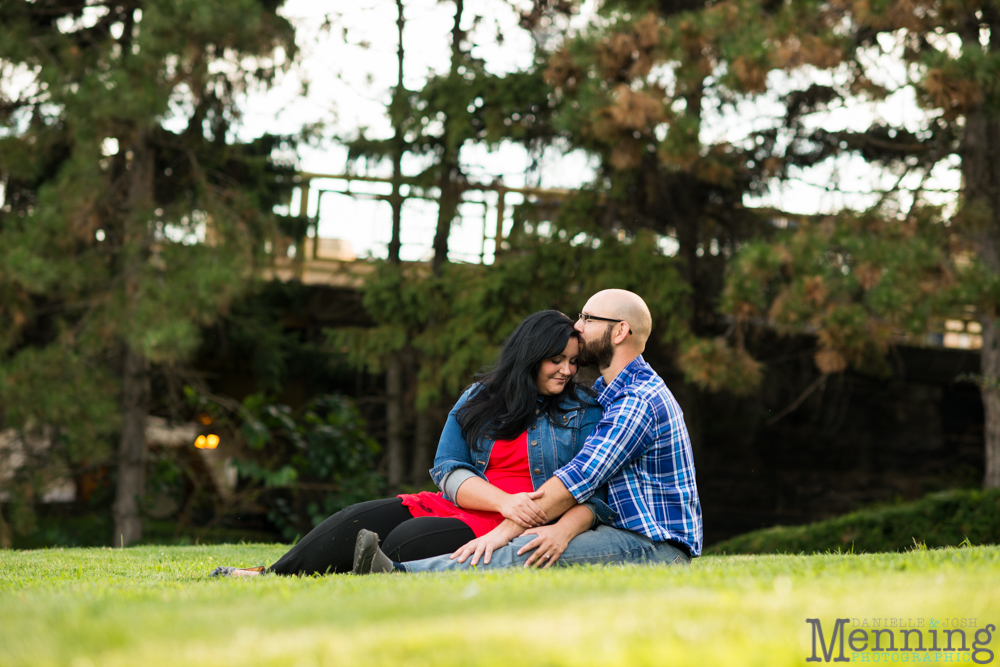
{"type": "Point", "coordinates": [642, 451]}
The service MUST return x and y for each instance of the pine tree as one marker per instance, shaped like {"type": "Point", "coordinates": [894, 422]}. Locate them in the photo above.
{"type": "Point", "coordinates": [859, 280]}
{"type": "Point", "coordinates": [459, 107]}
{"type": "Point", "coordinates": [639, 88]}
{"type": "Point", "coordinates": [131, 215]}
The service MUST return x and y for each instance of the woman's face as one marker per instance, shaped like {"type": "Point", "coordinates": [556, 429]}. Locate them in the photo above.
{"type": "Point", "coordinates": [556, 371]}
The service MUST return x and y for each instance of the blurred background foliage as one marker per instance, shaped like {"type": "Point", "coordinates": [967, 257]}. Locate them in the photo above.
{"type": "Point", "coordinates": [130, 270]}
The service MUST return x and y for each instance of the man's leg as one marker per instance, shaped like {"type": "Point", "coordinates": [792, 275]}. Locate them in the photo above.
{"type": "Point", "coordinates": [603, 545]}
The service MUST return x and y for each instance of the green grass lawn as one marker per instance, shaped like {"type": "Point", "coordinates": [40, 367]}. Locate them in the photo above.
{"type": "Point", "coordinates": [157, 606]}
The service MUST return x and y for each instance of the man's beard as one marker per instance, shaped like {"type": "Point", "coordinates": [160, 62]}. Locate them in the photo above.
{"type": "Point", "coordinates": [599, 353]}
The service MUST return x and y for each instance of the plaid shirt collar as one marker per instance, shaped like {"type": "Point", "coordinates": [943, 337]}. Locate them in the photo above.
{"type": "Point", "coordinates": [607, 392]}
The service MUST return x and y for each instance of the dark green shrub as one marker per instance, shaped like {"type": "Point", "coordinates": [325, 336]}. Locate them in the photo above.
{"type": "Point", "coordinates": [945, 519]}
{"type": "Point", "coordinates": [307, 464]}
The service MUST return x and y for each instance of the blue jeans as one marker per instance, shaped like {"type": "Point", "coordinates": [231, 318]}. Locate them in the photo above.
{"type": "Point", "coordinates": [604, 545]}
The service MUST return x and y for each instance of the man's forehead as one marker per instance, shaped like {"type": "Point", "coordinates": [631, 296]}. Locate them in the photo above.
{"type": "Point", "coordinates": [596, 303]}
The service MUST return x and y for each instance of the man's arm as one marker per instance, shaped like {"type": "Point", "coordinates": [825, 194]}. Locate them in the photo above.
{"type": "Point", "coordinates": [520, 508]}
{"type": "Point", "coordinates": [555, 501]}
{"type": "Point", "coordinates": [620, 437]}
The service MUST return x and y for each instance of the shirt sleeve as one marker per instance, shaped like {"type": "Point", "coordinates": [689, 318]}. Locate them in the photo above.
{"type": "Point", "coordinates": [621, 436]}
{"type": "Point", "coordinates": [453, 480]}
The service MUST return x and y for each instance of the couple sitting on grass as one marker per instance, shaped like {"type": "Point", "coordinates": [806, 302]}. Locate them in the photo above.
{"type": "Point", "coordinates": [533, 471]}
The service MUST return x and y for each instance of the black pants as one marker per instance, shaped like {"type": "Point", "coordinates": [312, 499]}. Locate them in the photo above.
{"type": "Point", "coordinates": [329, 547]}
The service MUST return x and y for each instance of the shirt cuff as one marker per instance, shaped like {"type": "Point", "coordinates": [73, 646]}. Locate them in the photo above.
{"type": "Point", "coordinates": [453, 480]}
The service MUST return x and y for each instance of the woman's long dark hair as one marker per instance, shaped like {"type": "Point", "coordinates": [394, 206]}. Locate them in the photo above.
{"type": "Point", "coordinates": [504, 405]}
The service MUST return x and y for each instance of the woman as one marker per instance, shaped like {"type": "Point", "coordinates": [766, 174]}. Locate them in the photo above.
{"type": "Point", "coordinates": [485, 467]}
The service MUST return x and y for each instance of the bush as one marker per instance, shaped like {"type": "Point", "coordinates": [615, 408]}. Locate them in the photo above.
{"type": "Point", "coordinates": [948, 518]}
{"type": "Point", "coordinates": [307, 464]}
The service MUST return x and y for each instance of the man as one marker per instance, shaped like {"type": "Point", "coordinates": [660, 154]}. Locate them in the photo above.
{"type": "Point", "coordinates": [640, 449]}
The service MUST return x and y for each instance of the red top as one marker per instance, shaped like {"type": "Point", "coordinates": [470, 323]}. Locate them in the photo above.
{"type": "Point", "coordinates": [507, 470]}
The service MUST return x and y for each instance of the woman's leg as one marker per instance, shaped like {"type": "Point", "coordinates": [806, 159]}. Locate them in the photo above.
{"type": "Point", "coordinates": [329, 547]}
{"type": "Point", "coordinates": [425, 537]}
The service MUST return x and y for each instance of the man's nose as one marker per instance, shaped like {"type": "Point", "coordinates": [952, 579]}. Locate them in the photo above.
{"type": "Point", "coordinates": [579, 326]}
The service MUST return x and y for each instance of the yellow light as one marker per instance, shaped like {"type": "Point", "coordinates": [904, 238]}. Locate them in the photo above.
{"type": "Point", "coordinates": [212, 441]}
{"type": "Point", "coordinates": [201, 442]}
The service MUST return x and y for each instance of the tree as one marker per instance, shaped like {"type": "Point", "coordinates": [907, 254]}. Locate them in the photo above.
{"type": "Point", "coordinates": [131, 214]}
{"type": "Point", "coordinates": [466, 104]}
{"type": "Point", "coordinates": [906, 261]}
{"type": "Point", "coordinates": [636, 88]}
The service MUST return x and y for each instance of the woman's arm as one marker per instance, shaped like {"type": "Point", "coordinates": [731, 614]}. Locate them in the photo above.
{"type": "Point", "coordinates": [551, 541]}
{"type": "Point", "coordinates": [478, 494]}
{"type": "Point", "coordinates": [463, 483]}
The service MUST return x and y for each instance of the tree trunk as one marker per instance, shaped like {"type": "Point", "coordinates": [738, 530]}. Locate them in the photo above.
{"type": "Point", "coordinates": [136, 213]}
{"type": "Point", "coordinates": [6, 540]}
{"type": "Point", "coordinates": [683, 211]}
{"type": "Point", "coordinates": [398, 114]}
{"type": "Point", "coordinates": [990, 366]}
{"type": "Point", "coordinates": [982, 195]}
{"type": "Point", "coordinates": [980, 215]}
{"type": "Point", "coordinates": [423, 444]}
{"type": "Point", "coordinates": [451, 194]}
{"type": "Point", "coordinates": [394, 420]}
{"type": "Point", "coordinates": [450, 168]}
{"type": "Point", "coordinates": [132, 451]}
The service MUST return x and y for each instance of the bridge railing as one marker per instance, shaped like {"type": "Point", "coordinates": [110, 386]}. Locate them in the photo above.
{"type": "Point", "coordinates": [485, 219]}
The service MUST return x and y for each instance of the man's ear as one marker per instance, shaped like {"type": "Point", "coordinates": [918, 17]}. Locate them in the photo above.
{"type": "Point", "coordinates": [621, 333]}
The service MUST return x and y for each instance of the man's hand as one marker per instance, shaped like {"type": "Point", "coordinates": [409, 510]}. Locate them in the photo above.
{"type": "Point", "coordinates": [549, 545]}
{"type": "Point", "coordinates": [551, 541]}
{"type": "Point", "coordinates": [556, 500]}
{"type": "Point", "coordinates": [485, 545]}
{"type": "Point", "coordinates": [522, 509]}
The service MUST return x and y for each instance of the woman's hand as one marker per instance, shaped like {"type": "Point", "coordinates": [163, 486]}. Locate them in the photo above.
{"type": "Point", "coordinates": [522, 509]}
{"type": "Point", "coordinates": [484, 546]}
{"type": "Point", "coordinates": [549, 545]}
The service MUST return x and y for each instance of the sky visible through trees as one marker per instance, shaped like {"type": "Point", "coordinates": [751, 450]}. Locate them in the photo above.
{"type": "Point", "coordinates": [348, 69]}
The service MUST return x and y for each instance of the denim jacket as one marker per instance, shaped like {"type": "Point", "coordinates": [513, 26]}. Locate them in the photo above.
{"type": "Point", "coordinates": [550, 446]}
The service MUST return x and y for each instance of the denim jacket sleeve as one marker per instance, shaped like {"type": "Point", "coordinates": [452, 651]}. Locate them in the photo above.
{"type": "Point", "coordinates": [597, 503]}
{"type": "Point", "coordinates": [453, 462]}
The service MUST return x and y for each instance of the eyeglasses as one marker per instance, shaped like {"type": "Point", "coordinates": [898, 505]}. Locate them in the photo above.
{"type": "Point", "coordinates": [587, 318]}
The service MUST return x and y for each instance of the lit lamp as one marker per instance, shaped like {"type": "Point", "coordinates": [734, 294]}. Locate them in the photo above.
{"type": "Point", "coordinates": [210, 441]}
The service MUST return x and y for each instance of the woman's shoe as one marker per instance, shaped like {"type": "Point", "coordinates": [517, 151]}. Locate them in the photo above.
{"type": "Point", "coordinates": [368, 558]}
{"type": "Point", "coordinates": [226, 571]}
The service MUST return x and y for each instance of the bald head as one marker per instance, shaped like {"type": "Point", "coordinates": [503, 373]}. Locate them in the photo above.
{"type": "Point", "coordinates": [623, 305]}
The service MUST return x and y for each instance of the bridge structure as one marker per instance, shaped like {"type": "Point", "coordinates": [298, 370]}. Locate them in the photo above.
{"type": "Point", "coordinates": [316, 260]}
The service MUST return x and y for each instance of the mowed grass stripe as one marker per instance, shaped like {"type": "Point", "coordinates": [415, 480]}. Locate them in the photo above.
{"type": "Point", "coordinates": [156, 606]}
